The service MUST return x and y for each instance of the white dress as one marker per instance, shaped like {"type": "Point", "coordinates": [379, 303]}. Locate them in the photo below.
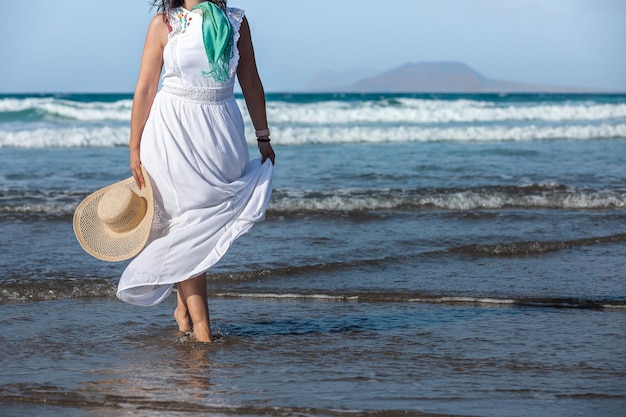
{"type": "Point", "coordinates": [207, 191]}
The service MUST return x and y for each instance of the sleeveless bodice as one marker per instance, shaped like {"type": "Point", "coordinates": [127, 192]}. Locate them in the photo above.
{"type": "Point", "coordinates": [184, 56]}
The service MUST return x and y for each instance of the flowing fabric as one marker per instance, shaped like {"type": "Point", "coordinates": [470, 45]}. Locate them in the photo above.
{"type": "Point", "coordinates": [207, 191]}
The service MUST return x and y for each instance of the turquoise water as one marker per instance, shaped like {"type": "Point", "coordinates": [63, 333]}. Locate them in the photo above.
{"type": "Point", "coordinates": [422, 255]}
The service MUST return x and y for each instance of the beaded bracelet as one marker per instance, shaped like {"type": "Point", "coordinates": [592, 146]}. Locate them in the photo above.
{"type": "Point", "coordinates": [263, 132]}
{"type": "Point", "coordinates": [263, 140]}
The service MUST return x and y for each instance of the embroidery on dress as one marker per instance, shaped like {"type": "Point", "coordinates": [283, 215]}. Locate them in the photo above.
{"type": "Point", "coordinates": [184, 19]}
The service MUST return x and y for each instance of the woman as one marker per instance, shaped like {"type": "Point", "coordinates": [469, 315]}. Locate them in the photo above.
{"type": "Point", "coordinates": [189, 138]}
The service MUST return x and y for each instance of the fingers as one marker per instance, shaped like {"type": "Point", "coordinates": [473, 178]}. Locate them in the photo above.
{"type": "Point", "coordinates": [135, 168]}
{"type": "Point", "coordinates": [270, 155]}
{"type": "Point", "coordinates": [266, 152]}
{"type": "Point", "coordinates": [139, 180]}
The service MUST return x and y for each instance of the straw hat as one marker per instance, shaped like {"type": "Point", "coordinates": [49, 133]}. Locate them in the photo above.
{"type": "Point", "coordinates": [113, 224]}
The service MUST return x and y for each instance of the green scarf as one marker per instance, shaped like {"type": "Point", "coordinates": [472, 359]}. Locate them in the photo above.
{"type": "Point", "coordinates": [217, 33]}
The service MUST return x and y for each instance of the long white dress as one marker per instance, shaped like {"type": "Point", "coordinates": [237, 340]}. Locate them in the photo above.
{"type": "Point", "coordinates": [207, 191]}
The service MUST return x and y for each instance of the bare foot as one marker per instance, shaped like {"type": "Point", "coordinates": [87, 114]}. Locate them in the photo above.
{"type": "Point", "coordinates": [202, 333]}
{"type": "Point", "coordinates": [183, 320]}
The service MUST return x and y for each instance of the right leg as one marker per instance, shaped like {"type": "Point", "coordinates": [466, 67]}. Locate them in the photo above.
{"type": "Point", "coordinates": [194, 295]}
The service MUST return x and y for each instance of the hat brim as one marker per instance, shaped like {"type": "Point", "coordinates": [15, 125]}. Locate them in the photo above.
{"type": "Point", "coordinates": [100, 242]}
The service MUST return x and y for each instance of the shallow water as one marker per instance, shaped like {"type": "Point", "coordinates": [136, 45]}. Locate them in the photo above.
{"type": "Point", "coordinates": [463, 275]}
{"type": "Point", "coordinates": [315, 357]}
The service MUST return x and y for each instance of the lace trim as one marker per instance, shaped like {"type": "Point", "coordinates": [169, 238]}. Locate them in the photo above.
{"type": "Point", "coordinates": [172, 39]}
{"type": "Point", "coordinates": [201, 94]}
{"type": "Point", "coordinates": [175, 22]}
{"type": "Point", "coordinates": [236, 17]}
{"type": "Point", "coordinates": [173, 42]}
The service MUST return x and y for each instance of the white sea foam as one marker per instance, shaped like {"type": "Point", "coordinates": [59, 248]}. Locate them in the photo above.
{"type": "Point", "coordinates": [464, 300]}
{"type": "Point", "coordinates": [437, 111]}
{"type": "Point", "coordinates": [57, 122]}
{"type": "Point", "coordinates": [319, 297]}
{"type": "Point", "coordinates": [286, 200]}
{"type": "Point", "coordinates": [43, 209]}
{"type": "Point", "coordinates": [403, 133]}
{"type": "Point", "coordinates": [54, 108]}
{"type": "Point", "coordinates": [368, 200]}
{"type": "Point", "coordinates": [110, 136]}
{"type": "Point", "coordinates": [397, 110]}
{"type": "Point", "coordinates": [614, 306]}
{"type": "Point", "coordinates": [65, 137]}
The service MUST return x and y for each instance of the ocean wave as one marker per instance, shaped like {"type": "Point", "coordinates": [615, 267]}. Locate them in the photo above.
{"type": "Point", "coordinates": [508, 249]}
{"type": "Point", "coordinates": [534, 247]}
{"type": "Point", "coordinates": [416, 297]}
{"type": "Point", "coordinates": [23, 286]}
{"type": "Point", "coordinates": [543, 196]}
{"type": "Point", "coordinates": [39, 122]}
{"type": "Point", "coordinates": [421, 111]}
{"type": "Point", "coordinates": [65, 137]}
{"type": "Point", "coordinates": [38, 203]}
{"type": "Point", "coordinates": [114, 136]}
{"type": "Point", "coordinates": [284, 202]}
{"type": "Point", "coordinates": [402, 110]}
{"type": "Point", "coordinates": [26, 289]}
{"type": "Point", "coordinates": [407, 133]}
{"type": "Point", "coordinates": [61, 289]}
{"type": "Point", "coordinates": [50, 109]}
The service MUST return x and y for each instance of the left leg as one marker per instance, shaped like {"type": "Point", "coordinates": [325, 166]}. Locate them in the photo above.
{"type": "Point", "coordinates": [181, 313]}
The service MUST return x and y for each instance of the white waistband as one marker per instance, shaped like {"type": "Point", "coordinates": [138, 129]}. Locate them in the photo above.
{"type": "Point", "coordinates": [201, 94]}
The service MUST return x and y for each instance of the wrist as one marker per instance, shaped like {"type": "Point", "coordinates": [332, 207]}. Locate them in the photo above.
{"type": "Point", "coordinates": [262, 133]}
{"type": "Point", "coordinates": [134, 145]}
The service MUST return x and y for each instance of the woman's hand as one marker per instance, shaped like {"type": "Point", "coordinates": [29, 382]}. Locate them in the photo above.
{"type": "Point", "coordinates": [266, 151]}
{"type": "Point", "coordinates": [135, 167]}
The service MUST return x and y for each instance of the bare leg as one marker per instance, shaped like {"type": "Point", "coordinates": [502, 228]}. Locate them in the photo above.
{"type": "Point", "coordinates": [194, 295]}
{"type": "Point", "coordinates": [181, 313]}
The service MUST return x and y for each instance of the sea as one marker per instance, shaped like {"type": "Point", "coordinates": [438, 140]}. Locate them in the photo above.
{"type": "Point", "coordinates": [422, 255]}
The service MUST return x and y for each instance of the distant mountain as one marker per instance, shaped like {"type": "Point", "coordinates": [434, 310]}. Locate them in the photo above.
{"type": "Point", "coordinates": [438, 77]}
{"type": "Point", "coordinates": [328, 80]}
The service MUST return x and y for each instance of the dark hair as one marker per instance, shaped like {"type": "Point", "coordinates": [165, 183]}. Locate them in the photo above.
{"type": "Point", "coordinates": [166, 6]}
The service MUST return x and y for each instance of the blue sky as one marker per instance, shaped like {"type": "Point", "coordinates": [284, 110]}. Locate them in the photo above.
{"type": "Point", "coordinates": [94, 46]}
